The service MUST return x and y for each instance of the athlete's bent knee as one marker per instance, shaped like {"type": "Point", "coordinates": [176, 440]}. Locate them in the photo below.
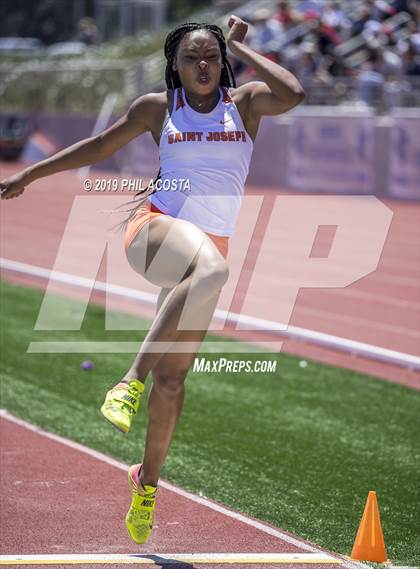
{"type": "Point", "coordinates": [169, 384]}
{"type": "Point", "coordinates": [213, 274]}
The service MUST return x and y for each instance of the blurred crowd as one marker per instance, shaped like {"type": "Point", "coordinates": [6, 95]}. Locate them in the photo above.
{"type": "Point", "coordinates": [373, 45]}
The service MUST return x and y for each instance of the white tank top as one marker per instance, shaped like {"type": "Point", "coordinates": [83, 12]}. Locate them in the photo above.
{"type": "Point", "coordinates": [213, 151]}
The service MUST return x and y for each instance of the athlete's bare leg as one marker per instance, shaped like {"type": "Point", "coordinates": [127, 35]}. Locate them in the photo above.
{"type": "Point", "coordinates": [166, 399]}
{"type": "Point", "coordinates": [203, 274]}
{"type": "Point", "coordinates": [188, 263]}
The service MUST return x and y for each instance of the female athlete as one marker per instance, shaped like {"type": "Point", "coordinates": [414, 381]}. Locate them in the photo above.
{"type": "Point", "coordinates": [205, 128]}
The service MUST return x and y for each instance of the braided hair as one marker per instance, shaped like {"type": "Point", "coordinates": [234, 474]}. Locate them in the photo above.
{"type": "Point", "coordinates": [172, 79]}
{"type": "Point", "coordinates": [172, 42]}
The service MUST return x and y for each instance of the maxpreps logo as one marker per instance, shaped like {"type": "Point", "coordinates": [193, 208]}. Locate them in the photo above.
{"type": "Point", "coordinates": [203, 365]}
{"type": "Point", "coordinates": [211, 136]}
{"type": "Point", "coordinates": [361, 226]}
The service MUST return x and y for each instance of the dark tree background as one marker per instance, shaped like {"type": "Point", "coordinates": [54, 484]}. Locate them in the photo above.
{"type": "Point", "coordinates": [48, 20]}
{"type": "Point", "coordinates": [56, 20]}
{"type": "Point", "coordinates": [181, 9]}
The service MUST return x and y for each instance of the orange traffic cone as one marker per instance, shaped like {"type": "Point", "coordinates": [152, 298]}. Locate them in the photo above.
{"type": "Point", "coordinates": [369, 544]}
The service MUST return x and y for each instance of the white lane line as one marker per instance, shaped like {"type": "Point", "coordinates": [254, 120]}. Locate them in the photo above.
{"type": "Point", "coordinates": [119, 347]}
{"type": "Point", "coordinates": [277, 328]}
{"type": "Point", "coordinates": [168, 558]}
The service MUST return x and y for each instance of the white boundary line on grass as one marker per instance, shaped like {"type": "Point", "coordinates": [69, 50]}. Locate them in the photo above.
{"type": "Point", "coordinates": [302, 334]}
{"type": "Point", "coordinates": [199, 500]}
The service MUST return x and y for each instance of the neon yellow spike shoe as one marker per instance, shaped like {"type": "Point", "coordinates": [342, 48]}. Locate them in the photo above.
{"type": "Point", "coordinates": [122, 403]}
{"type": "Point", "coordinates": [139, 518]}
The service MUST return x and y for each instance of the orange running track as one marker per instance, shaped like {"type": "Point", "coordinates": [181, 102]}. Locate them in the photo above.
{"type": "Point", "coordinates": [76, 504]}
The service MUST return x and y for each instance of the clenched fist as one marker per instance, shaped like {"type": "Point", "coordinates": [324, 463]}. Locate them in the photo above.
{"type": "Point", "coordinates": [237, 32]}
{"type": "Point", "coordinates": [12, 187]}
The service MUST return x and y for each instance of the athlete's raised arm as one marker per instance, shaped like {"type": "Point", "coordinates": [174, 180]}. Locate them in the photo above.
{"type": "Point", "coordinates": [138, 119]}
{"type": "Point", "coordinates": [277, 92]}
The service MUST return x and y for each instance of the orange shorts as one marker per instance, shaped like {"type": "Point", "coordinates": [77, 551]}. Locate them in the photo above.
{"type": "Point", "coordinates": [146, 213]}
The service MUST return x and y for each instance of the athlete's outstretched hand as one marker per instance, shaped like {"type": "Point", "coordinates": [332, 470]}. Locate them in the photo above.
{"type": "Point", "coordinates": [237, 32]}
{"type": "Point", "coordinates": [12, 187]}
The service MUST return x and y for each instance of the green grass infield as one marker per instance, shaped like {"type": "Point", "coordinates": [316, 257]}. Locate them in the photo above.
{"type": "Point", "coordinates": [299, 448]}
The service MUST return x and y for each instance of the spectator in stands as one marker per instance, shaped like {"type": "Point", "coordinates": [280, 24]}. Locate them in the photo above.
{"type": "Point", "coordinates": [414, 35]}
{"type": "Point", "coordinates": [293, 53]}
{"type": "Point", "coordinates": [264, 30]}
{"type": "Point", "coordinates": [411, 61]}
{"type": "Point", "coordinates": [403, 6]}
{"type": "Point", "coordinates": [309, 8]}
{"type": "Point", "coordinates": [326, 36]}
{"type": "Point", "coordinates": [307, 65]}
{"type": "Point", "coordinates": [87, 32]}
{"type": "Point", "coordinates": [305, 35]}
{"type": "Point", "coordinates": [392, 61]}
{"type": "Point", "coordinates": [362, 17]}
{"type": "Point", "coordinates": [370, 81]}
{"type": "Point", "coordinates": [334, 16]}
{"type": "Point", "coordinates": [287, 16]}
